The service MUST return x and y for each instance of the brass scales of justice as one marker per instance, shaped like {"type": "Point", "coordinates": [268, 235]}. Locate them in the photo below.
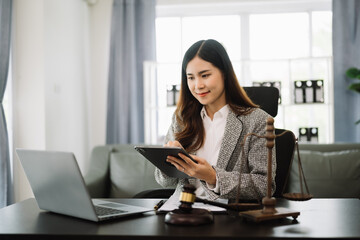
{"type": "Point", "coordinates": [186, 215]}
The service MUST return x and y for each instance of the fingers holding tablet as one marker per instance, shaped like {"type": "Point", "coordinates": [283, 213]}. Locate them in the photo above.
{"type": "Point", "coordinates": [158, 156]}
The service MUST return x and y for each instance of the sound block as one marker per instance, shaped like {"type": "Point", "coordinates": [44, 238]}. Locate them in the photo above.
{"type": "Point", "coordinates": [259, 216]}
{"type": "Point", "coordinates": [193, 218]}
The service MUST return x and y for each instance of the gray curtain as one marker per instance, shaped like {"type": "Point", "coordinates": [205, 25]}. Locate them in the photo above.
{"type": "Point", "coordinates": [346, 52]}
{"type": "Point", "coordinates": [132, 43]}
{"type": "Point", "coordinates": [5, 34]}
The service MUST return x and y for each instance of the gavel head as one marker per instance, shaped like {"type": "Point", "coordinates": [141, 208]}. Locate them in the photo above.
{"type": "Point", "coordinates": [187, 198]}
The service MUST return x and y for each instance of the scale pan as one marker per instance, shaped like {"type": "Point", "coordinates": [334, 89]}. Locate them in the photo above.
{"type": "Point", "coordinates": [297, 196]}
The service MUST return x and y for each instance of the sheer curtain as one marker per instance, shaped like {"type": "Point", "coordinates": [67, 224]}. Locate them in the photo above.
{"type": "Point", "coordinates": [132, 43]}
{"type": "Point", "coordinates": [5, 39]}
{"type": "Point", "coordinates": [346, 51]}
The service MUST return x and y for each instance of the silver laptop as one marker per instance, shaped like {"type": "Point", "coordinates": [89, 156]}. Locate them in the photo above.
{"type": "Point", "coordinates": [59, 187]}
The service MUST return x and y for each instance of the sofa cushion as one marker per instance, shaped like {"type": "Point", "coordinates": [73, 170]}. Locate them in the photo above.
{"type": "Point", "coordinates": [328, 174]}
{"type": "Point", "coordinates": [331, 147]}
{"type": "Point", "coordinates": [130, 173]}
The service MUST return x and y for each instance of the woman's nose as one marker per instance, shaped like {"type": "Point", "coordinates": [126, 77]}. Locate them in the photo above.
{"type": "Point", "coordinates": [199, 84]}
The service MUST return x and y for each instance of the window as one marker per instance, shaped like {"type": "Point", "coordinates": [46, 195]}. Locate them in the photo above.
{"type": "Point", "coordinates": [7, 104]}
{"type": "Point", "coordinates": [279, 36]}
{"type": "Point", "coordinates": [168, 39]}
{"type": "Point", "coordinates": [270, 44]}
{"type": "Point", "coordinates": [206, 27]}
{"type": "Point", "coordinates": [321, 33]}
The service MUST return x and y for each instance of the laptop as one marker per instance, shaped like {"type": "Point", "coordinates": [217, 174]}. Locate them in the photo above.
{"type": "Point", "coordinates": [59, 187]}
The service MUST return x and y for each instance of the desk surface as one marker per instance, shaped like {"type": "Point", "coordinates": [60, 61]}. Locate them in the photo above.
{"type": "Point", "coordinates": [319, 218]}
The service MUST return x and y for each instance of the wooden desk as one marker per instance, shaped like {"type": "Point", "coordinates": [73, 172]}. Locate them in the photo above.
{"type": "Point", "coordinates": [319, 218]}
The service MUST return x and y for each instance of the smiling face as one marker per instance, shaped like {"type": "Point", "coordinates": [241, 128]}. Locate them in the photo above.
{"type": "Point", "coordinates": [206, 84]}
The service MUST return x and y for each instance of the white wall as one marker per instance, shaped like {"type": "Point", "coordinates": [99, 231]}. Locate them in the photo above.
{"type": "Point", "coordinates": [60, 63]}
{"type": "Point", "coordinates": [28, 84]}
{"type": "Point", "coordinates": [100, 21]}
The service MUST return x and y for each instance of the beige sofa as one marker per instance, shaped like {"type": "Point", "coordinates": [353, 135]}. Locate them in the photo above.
{"type": "Point", "coordinates": [331, 171]}
{"type": "Point", "coordinates": [118, 171]}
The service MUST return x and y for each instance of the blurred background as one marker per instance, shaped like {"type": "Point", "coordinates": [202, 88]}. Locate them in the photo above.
{"type": "Point", "coordinates": [66, 88]}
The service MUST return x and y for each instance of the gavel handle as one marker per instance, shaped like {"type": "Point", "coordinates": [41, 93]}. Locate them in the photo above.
{"type": "Point", "coordinates": [226, 206]}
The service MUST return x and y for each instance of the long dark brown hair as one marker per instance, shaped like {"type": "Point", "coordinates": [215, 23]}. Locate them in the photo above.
{"type": "Point", "coordinates": [188, 108]}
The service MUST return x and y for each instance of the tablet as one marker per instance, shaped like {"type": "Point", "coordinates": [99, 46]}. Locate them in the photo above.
{"type": "Point", "coordinates": [157, 155]}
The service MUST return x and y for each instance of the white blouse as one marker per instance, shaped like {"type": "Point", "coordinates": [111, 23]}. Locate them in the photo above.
{"type": "Point", "coordinates": [214, 133]}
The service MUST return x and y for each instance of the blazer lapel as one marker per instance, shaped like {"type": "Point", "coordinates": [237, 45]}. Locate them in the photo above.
{"type": "Point", "coordinates": [232, 134]}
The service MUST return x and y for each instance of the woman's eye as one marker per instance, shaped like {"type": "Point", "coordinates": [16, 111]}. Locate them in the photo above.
{"type": "Point", "coordinates": [205, 75]}
{"type": "Point", "coordinates": [190, 78]}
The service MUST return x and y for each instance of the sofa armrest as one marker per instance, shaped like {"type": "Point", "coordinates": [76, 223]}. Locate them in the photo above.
{"type": "Point", "coordinates": [97, 178]}
{"type": "Point", "coordinates": [130, 173]}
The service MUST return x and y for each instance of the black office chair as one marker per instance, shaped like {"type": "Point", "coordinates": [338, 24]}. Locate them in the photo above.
{"type": "Point", "coordinates": [267, 98]}
{"type": "Point", "coordinates": [285, 146]}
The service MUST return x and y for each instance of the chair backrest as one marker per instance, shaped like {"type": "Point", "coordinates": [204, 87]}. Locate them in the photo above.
{"type": "Point", "coordinates": [266, 97]}
{"type": "Point", "coordinates": [285, 146]}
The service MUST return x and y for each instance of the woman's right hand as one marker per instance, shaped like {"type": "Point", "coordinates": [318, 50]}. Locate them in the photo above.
{"type": "Point", "coordinates": [176, 161]}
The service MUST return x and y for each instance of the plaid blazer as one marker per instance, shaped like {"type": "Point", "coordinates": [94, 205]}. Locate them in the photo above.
{"type": "Point", "coordinates": [252, 168]}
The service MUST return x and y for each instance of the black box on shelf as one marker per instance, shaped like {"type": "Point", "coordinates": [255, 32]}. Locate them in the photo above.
{"type": "Point", "coordinates": [309, 134]}
{"type": "Point", "coordinates": [309, 91]}
{"type": "Point", "coordinates": [173, 92]}
{"type": "Point", "coordinates": [170, 95]}
{"type": "Point", "coordinates": [276, 84]}
{"type": "Point", "coordinates": [318, 87]}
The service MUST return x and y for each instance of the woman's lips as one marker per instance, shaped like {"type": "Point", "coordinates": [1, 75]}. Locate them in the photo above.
{"type": "Point", "coordinates": [202, 94]}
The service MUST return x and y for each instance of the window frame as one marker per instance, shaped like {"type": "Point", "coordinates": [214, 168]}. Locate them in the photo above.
{"type": "Point", "coordinates": [244, 9]}
{"type": "Point", "coordinates": [192, 8]}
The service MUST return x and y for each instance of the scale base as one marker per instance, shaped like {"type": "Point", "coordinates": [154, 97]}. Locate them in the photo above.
{"type": "Point", "coordinates": [259, 216]}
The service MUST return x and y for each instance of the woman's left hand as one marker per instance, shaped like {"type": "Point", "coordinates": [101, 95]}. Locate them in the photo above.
{"type": "Point", "coordinates": [200, 169]}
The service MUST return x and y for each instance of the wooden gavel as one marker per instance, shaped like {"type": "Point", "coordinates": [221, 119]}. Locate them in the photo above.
{"type": "Point", "coordinates": [188, 197]}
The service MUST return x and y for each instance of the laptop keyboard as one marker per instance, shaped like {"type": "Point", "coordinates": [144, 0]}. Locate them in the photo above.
{"type": "Point", "coordinates": [102, 211]}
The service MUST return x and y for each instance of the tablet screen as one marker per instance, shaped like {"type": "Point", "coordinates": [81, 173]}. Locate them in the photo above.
{"type": "Point", "coordinates": [157, 155]}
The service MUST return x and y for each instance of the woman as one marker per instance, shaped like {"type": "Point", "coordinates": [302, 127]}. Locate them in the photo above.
{"type": "Point", "coordinates": [212, 117]}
